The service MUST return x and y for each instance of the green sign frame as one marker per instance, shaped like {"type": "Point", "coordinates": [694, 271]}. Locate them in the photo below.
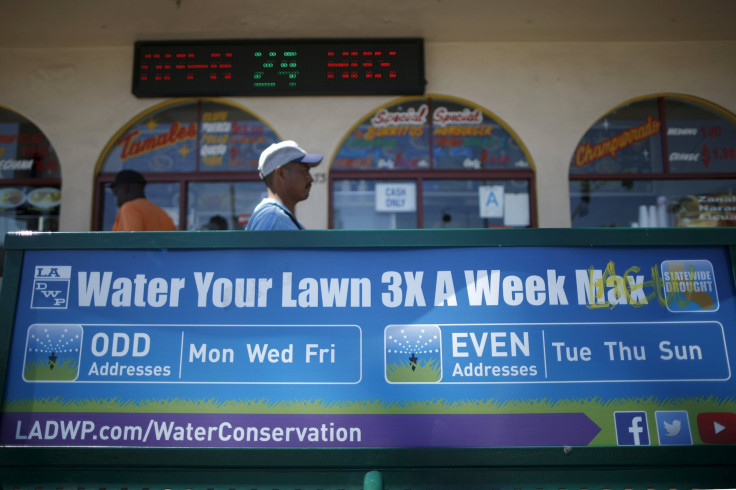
{"type": "Point", "coordinates": [702, 466]}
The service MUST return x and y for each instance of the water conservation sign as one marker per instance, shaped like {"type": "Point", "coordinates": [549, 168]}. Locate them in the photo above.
{"type": "Point", "coordinates": [373, 347]}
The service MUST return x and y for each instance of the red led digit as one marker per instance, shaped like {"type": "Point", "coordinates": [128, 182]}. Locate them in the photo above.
{"type": "Point", "coordinates": [207, 67]}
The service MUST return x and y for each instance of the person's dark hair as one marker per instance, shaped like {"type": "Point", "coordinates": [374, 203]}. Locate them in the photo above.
{"type": "Point", "coordinates": [217, 222]}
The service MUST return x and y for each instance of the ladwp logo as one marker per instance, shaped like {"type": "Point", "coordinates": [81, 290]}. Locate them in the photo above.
{"type": "Point", "coordinates": [51, 286]}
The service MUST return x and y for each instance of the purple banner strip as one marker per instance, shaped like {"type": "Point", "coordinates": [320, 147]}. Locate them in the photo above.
{"type": "Point", "coordinates": [296, 431]}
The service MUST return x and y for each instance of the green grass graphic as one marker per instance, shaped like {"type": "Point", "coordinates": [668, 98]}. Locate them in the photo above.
{"type": "Point", "coordinates": [599, 410]}
{"type": "Point", "coordinates": [423, 372]}
{"type": "Point", "coordinates": [40, 371]}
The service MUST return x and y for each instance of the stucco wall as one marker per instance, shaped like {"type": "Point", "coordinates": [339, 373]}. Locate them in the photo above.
{"type": "Point", "coordinates": [548, 93]}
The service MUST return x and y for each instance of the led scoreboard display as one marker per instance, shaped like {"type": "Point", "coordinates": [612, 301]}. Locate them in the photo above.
{"type": "Point", "coordinates": [279, 67]}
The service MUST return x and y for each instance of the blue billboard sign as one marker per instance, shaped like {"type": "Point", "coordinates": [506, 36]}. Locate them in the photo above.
{"type": "Point", "coordinates": [373, 347]}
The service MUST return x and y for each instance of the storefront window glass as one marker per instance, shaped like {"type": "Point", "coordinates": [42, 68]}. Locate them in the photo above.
{"type": "Point", "coordinates": [355, 204]}
{"type": "Point", "coordinates": [30, 178]}
{"type": "Point", "coordinates": [431, 162]}
{"type": "Point", "coordinates": [230, 201]}
{"type": "Point", "coordinates": [656, 162]}
{"type": "Point", "coordinates": [199, 156]}
{"type": "Point", "coordinates": [476, 203]}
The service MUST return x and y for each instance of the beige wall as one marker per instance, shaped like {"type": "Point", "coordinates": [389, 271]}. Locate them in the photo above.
{"type": "Point", "coordinates": [548, 93]}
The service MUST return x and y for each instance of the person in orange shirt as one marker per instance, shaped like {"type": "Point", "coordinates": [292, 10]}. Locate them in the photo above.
{"type": "Point", "coordinates": [136, 212]}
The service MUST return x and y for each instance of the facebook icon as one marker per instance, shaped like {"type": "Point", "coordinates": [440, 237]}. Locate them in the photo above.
{"type": "Point", "coordinates": [631, 428]}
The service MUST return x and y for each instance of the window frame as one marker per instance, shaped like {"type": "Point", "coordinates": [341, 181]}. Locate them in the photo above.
{"type": "Point", "coordinates": [666, 173]}
{"type": "Point", "coordinates": [419, 176]}
{"type": "Point", "coordinates": [182, 179]}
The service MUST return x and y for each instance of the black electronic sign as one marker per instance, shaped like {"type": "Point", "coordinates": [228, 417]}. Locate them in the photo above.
{"type": "Point", "coordinates": [279, 67]}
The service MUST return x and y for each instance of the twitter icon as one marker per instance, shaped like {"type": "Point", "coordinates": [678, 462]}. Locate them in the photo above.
{"type": "Point", "coordinates": [673, 428]}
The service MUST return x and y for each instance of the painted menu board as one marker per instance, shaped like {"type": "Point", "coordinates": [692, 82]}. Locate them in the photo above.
{"type": "Point", "coordinates": [373, 347]}
{"type": "Point", "coordinates": [623, 141]}
{"type": "Point", "coordinates": [431, 132]}
{"type": "Point", "coordinates": [191, 135]}
{"type": "Point", "coordinates": [30, 177]}
{"type": "Point", "coordinates": [657, 162]}
{"type": "Point", "coordinates": [25, 152]}
{"type": "Point", "coordinates": [658, 135]}
{"type": "Point", "coordinates": [699, 139]}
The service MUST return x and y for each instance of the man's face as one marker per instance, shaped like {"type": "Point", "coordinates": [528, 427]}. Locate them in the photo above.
{"type": "Point", "coordinates": [298, 180]}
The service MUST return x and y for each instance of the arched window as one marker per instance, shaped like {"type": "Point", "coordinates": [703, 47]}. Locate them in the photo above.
{"type": "Point", "coordinates": [431, 162]}
{"type": "Point", "coordinates": [199, 157]}
{"type": "Point", "coordinates": [658, 161]}
{"type": "Point", "coordinates": [30, 177]}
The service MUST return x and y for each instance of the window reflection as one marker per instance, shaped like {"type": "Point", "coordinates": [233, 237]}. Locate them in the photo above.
{"type": "Point", "coordinates": [653, 203]}
{"type": "Point", "coordinates": [232, 201]}
{"type": "Point", "coordinates": [354, 207]}
{"type": "Point", "coordinates": [457, 203]}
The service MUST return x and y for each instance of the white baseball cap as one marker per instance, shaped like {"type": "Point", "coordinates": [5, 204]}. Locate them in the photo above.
{"type": "Point", "coordinates": [279, 154]}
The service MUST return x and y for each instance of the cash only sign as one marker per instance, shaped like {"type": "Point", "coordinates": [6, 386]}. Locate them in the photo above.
{"type": "Point", "coordinates": [371, 347]}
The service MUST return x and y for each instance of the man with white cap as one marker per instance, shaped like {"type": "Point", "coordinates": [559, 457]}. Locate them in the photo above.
{"type": "Point", "coordinates": [284, 167]}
